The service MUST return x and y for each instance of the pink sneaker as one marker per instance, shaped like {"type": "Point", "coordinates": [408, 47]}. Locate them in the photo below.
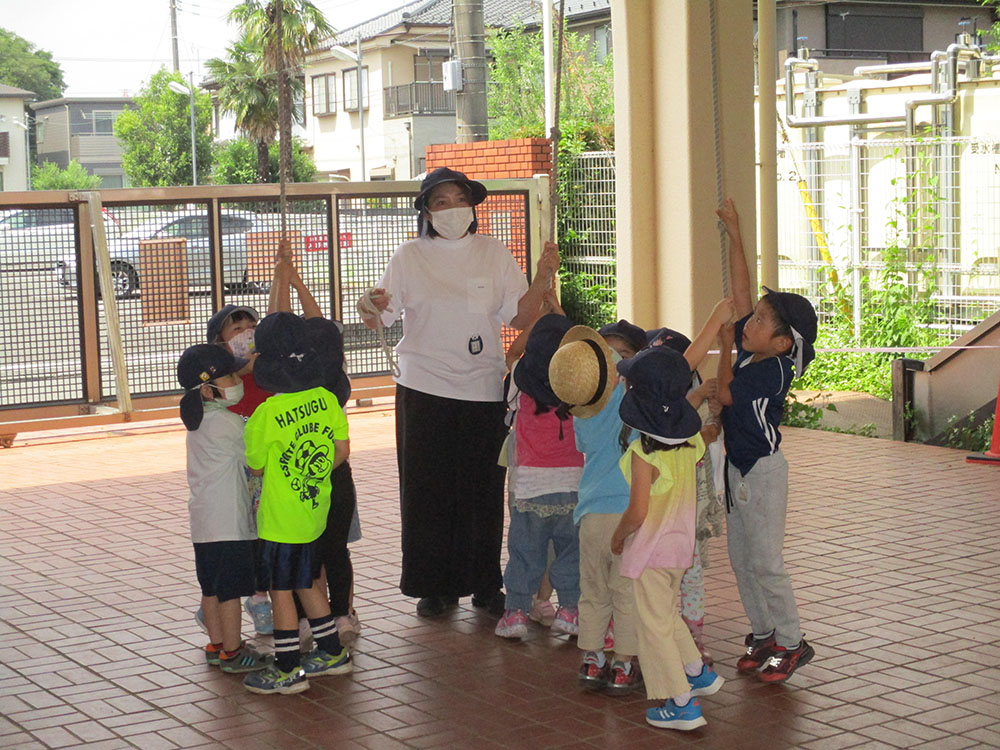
{"type": "Point", "coordinates": [513, 624]}
{"type": "Point", "coordinates": [567, 621]}
{"type": "Point", "coordinates": [609, 636]}
{"type": "Point", "coordinates": [542, 612]}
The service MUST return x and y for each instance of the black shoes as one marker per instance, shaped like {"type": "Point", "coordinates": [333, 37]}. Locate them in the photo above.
{"type": "Point", "coordinates": [433, 606]}
{"type": "Point", "coordinates": [493, 602]}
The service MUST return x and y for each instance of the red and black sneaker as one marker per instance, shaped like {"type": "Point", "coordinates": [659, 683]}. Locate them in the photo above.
{"type": "Point", "coordinates": [621, 681]}
{"type": "Point", "coordinates": [785, 661]}
{"type": "Point", "coordinates": [759, 650]}
{"type": "Point", "coordinates": [591, 675]}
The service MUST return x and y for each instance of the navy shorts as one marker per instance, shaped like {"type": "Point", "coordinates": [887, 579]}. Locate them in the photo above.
{"type": "Point", "coordinates": [286, 567]}
{"type": "Point", "coordinates": [225, 569]}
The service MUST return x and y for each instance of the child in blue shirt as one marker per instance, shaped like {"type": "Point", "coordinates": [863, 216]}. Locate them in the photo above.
{"type": "Point", "coordinates": [774, 343]}
{"type": "Point", "coordinates": [582, 374]}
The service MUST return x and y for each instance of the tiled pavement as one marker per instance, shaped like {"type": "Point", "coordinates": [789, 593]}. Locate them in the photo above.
{"type": "Point", "coordinates": [893, 548]}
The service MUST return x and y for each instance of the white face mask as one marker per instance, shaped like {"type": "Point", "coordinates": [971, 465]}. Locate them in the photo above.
{"type": "Point", "coordinates": [452, 223]}
{"type": "Point", "coordinates": [241, 345]}
{"type": "Point", "coordinates": [230, 396]}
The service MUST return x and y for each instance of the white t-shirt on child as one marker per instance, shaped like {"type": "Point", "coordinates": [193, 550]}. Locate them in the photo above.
{"type": "Point", "coordinates": [454, 296]}
{"type": "Point", "coordinates": [219, 505]}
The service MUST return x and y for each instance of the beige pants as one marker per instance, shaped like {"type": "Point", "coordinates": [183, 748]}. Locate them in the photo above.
{"type": "Point", "coordinates": [603, 592]}
{"type": "Point", "coordinates": [665, 644]}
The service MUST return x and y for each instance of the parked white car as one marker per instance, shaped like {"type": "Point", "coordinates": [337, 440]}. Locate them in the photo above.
{"type": "Point", "coordinates": [127, 260]}
{"type": "Point", "coordinates": [34, 239]}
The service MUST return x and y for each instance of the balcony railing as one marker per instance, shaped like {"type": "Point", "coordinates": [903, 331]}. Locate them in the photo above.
{"type": "Point", "coordinates": [418, 98]}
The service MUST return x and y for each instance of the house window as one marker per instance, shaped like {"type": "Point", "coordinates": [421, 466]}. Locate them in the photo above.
{"type": "Point", "coordinates": [4, 144]}
{"type": "Point", "coordinates": [104, 122]}
{"type": "Point", "coordinates": [602, 42]}
{"type": "Point", "coordinates": [851, 26]}
{"type": "Point", "coordinates": [427, 65]}
{"type": "Point", "coordinates": [351, 88]}
{"type": "Point", "coordinates": [324, 94]}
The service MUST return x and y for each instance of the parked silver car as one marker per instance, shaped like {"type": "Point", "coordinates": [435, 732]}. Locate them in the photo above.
{"type": "Point", "coordinates": [127, 260]}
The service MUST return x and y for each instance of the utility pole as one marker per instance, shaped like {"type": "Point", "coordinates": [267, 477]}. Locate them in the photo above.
{"type": "Point", "coordinates": [173, 34]}
{"type": "Point", "coordinates": [470, 45]}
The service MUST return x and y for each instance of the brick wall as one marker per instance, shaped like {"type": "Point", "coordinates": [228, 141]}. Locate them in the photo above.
{"type": "Point", "coordinates": [494, 160]}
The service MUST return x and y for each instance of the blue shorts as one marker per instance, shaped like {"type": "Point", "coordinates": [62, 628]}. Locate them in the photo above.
{"type": "Point", "coordinates": [225, 569]}
{"type": "Point", "coordinates": [286, 567]}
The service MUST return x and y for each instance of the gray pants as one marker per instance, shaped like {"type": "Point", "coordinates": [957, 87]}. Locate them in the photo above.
{"type": "Point", "coordinates": [756, 534]}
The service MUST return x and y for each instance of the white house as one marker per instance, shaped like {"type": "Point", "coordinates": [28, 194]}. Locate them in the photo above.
{"type": "Point", "coordinates": [14, 126]}
{"type": "Point", "coordinates": [405, 105]}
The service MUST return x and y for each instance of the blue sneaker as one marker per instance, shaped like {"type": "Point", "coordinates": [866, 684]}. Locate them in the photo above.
{"type": "Point", "coordinates": [260, 612]}
{"type": "Point", "coordinates": [707, 683]}
{"type": "Point", "coordinates": [319, 663]}
{"type": "Point", "coordinates": [199, 617]}
{"type": "Point", "coordinates": [672, 716]}
{"type": "Point", "coordinates": [273, 680]}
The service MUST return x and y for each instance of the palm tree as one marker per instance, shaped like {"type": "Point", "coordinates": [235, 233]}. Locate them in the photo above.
{"type": "Point", "coordinates": [250, 93]}
{"type": "Point", "coordinates": [286, 31]}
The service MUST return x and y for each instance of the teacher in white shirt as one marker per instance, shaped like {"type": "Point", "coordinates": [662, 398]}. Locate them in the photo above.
{"type": "Point", "coordinates": [454, 289]}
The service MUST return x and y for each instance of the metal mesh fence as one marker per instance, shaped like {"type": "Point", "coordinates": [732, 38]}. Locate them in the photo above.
{"type": "Point", "coordinates": [371, 228]}
{"type": "Point", "coordinates": [40, 348]}
{"type": "Point", "coordinates": [162, 271]}
{"type": "Point", "coordinates": [851, 214]}
{"type": "Point", "coordinates": [172, 264]}
{"type": "Point", "coordinates": [587, 235]}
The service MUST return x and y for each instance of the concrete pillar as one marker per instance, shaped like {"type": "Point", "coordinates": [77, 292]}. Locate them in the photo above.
{"type": "Point", "coordinates": [669, 261]}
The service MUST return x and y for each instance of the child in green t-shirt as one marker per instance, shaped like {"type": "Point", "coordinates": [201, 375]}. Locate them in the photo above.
{"type": "Point", "coordinates": [294, 440]}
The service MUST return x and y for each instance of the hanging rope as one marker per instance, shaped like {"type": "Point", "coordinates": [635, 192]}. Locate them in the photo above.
{"type": "Point", "coordinates": [556, 133]}
{"type": "Point", "coordinates": [716, 111]}
{"type": "Point", "coordinates": [367, 310]}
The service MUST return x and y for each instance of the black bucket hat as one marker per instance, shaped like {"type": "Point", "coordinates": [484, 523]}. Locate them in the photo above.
{"type": "Point", "coordinates": [286, 361]}
{"type": "Point", "coordinates": [477, 194]}
{"type": "Point", "coordinates": [800, 315]}
{"type": "Point", "coordinates": [327, 341]}
{"type": "Point", "coordinates": [668, 337]}
{"type": "Point", "coordinates": [200, 364]}
{"type": "Point", "coordinates": [217, 321]}
{"type": "Point", "coordinates": [655, 402]}
{"type": "Point", "coordinates": [630, 332]}
{"type": "Point", "coordinates": [531, 374]}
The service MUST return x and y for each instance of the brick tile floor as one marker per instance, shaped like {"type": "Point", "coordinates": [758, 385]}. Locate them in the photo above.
{"type": "Point", "coordinates": [893, 549]}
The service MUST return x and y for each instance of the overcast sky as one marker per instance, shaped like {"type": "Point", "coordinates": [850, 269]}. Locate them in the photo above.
{"type": "Point", "coordinates": [110, 47]}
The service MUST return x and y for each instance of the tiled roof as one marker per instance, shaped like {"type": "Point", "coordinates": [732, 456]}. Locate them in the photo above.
{"type": "Point", "coordinates": [12, 92]}
{"type": "Point", "coordinates": [438, 13]}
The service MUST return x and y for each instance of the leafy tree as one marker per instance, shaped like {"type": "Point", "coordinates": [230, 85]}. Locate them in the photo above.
{"type": "Point", "coordinates": [235, 163]}
{"type": "Point", "coordinates": [49, 176]}
{"type": "Point", "coordinates": [285, 31]}
{"type": "Point", "coordinates": [155, 135]}
{"type": "Point", "coordinates": [24, 66]}
{"type": "Point", "coordinates": [516, 102]}
{"type": "Point", "coordinates": [249, 92]}
{"type": "Point", "coordinates": [992, 35]}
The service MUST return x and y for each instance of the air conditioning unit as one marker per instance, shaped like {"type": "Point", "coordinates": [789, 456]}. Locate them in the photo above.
{"type": "Point", "coordinates": [452, 72]}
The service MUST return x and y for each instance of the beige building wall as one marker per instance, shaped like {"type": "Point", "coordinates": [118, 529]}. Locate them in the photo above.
{"type": "Point", "coordinates": [669, 260]}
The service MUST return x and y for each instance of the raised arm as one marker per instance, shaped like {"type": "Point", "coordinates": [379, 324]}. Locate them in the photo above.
{"type": "Point", "coordinates": [310, 308]}
{"type": "Point", "coordinates": [739, 274]}
{"type": "Point", "coordinates": [725, 373]}
{"type": "Point", "coordinates": [531, 300]}
{"type": "Point", "coordinates": [721, 314]}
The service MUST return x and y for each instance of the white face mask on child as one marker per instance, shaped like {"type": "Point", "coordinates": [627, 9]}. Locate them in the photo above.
{"type": "Point", "coordinates": [242, 344]}
{"type": "Point", "coordinates": [452, 223]}
{"type": "Point", "coordinates": [230, 396]}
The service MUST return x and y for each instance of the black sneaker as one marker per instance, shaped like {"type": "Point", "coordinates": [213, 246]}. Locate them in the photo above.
{"type": "Point", "coordinates": [785, 661]}
{"type": "Point", "coordinates": [431, 606]}
{"type": "Point", "coordinates": [494, 602]}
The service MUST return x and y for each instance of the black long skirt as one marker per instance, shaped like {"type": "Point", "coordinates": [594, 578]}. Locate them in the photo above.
{"type": "Point", "coordinates": [451, 493]}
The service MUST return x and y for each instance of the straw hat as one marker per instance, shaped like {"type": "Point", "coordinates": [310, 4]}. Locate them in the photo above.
{"type": "Point", "coordinates": [582, 371]}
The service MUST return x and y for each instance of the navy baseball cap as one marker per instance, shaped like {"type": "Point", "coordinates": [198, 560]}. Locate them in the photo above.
{"type": "Point", "coordinates": [200, 364]}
